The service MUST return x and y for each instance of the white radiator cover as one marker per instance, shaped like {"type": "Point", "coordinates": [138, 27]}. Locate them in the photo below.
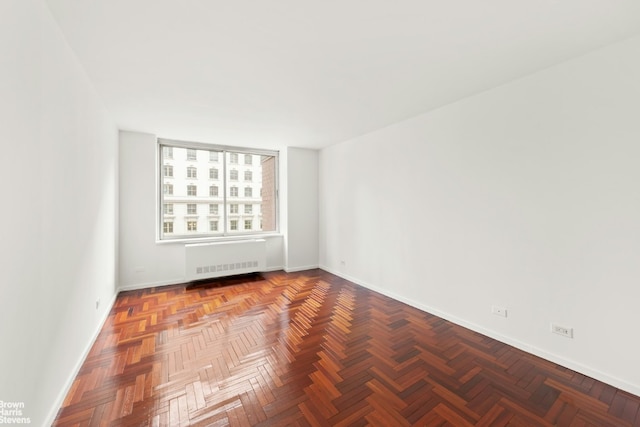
{"type": "Point", "coordinates": [218, 259]}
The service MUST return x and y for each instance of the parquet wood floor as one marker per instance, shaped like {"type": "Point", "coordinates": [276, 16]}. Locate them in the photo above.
{"type": "Point", "coordinates": [312, 349]}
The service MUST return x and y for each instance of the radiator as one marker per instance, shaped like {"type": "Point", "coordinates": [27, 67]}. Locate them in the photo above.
{"type": "Point", "coordinates": [207, 260]}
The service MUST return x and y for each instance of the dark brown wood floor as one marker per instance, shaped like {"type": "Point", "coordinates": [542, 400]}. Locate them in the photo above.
{"type": "Point", "coordinates": [313, 349]}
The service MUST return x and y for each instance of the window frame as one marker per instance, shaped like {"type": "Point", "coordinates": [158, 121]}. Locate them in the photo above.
{"type": "Point", "coordinates": [224, 229]}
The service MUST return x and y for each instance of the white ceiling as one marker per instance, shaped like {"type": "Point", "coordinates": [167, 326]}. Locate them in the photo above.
{"type": "Point", "coordinates": [313, 73]}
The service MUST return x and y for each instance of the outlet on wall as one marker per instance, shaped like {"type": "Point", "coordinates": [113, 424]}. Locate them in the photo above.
{"type": "Point", "coordinates": [562, 330]}
{"type": "Point", "coordinates": [97, 303]}
{"type": "Point", "coordinates": [499, 311]}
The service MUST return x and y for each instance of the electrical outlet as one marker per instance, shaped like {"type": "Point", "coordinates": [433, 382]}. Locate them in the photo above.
{"type": "Point", "coordinates": [499, 311]}
{"type": "Point", "coordinates": [97, 303]}
{"type": "Point", "coordinates": [562, 330]}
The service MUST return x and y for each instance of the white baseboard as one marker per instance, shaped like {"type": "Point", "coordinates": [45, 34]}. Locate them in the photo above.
{"type": "Point", "coordinates": [301, 268]}
{"type": "Point", "coordinates": [177, 281]}
{"type": "Point", "coordinates": [146, 285]}
{"type": "Point", "coordinates": [53, 412]}
{"type": "Point", "coordinates": [552, 357]}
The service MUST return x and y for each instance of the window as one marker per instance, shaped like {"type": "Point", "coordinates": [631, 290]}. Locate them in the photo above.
{"type": "Point", "coordinates": [180, 198]}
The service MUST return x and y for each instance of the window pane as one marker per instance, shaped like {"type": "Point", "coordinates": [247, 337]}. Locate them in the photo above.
{"type": "Point", "coordinates": [242, 199]}
{"type": "Point", "coordinates": [266, 174]}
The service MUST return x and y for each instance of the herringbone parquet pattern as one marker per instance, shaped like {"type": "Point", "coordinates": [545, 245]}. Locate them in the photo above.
{"type": "Point", "coordinates": [313, 349]}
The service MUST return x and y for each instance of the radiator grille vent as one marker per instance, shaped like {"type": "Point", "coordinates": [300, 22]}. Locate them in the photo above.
{"type": "Point", "coordinates": [207, 260]}
{"type": "Point", "coordinates": [231, 267]}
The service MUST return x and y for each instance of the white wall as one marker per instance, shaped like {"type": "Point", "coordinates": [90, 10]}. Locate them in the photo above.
{"type": "Point", "coordinates": [526, 196]}
{"type": "Point", "coordinates": [302, 209]}
{"type": "Point", "coordinates": [59, 210]}
{"type": "Point", "coordinates": [143, 262]}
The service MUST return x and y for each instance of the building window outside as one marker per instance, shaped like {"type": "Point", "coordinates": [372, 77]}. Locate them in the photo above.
{"type": "Point", "coordinates": [258, 169]}
{"type": "Point", "coordinates": [167, 227]}
{"type": "Point", "coordinates": [213, 225]}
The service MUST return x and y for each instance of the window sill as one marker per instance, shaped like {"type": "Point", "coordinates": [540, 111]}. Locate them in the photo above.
{"type": "Point", "coordinates": [218, 239]}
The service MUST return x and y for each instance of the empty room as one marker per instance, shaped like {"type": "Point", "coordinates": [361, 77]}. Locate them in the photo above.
{"type": "Point", "coordinates": [320, 213]}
